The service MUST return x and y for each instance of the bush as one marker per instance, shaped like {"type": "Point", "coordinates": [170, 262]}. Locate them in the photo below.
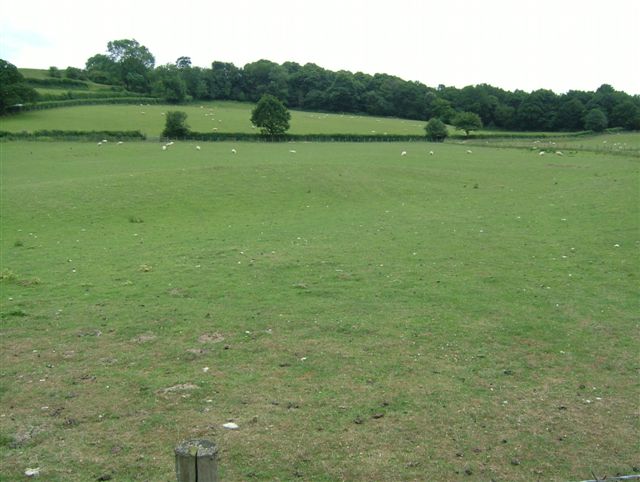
{"type": "Point", "coordinates": [436, 130]}
{"type": "Point", "coordinates": [176, 126]}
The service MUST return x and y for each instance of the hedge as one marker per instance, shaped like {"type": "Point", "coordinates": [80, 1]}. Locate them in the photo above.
{"type": "Point", "coordinates": [71, 135]}
{"type": "Point", "coordinates": [94, 101]}
{"type": "Point", "coordinates": [241, 136]}
{"type": "Point", "coordinates": [54, 82]}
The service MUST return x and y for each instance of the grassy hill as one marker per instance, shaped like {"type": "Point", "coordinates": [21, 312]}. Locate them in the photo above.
{"type": "Point", "coordinates": [360, 315]}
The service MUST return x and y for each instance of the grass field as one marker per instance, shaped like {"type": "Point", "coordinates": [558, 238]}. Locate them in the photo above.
{"type": "Point", "coordinates": [360, 315]}
{"type": "Point", "coordinates": [205, 117]}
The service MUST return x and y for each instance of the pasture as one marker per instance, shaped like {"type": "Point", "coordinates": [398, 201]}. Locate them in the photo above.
{"type": "Point", "coordinates": [359, 315]}
{"type": "Point", "coordinates": [204, 117]}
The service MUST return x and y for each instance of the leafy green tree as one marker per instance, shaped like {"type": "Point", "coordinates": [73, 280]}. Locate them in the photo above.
{"type": "Point", "coordinates": [127, 63]}
{"type": "Point", "coordinates": [595, 120]}
{"type": "Point", "coordinates": [436, 130]}
{"type": "Point", "coordinates": [101, 69]}
{"type": "Point", "coordinates": [175, 125]}
{"type": "Point", "coordinates": [183, 62]}
{"type": "Point", "coordinates": [626, 114]}
{"type": "Point", "coordinates": [570, 114]}
{"type": "Point", "coordinates": [74, 73]}
{"type": "Point", "coordinates": [169, 84]}
{"type": "Point", "coordinates": [55, 72]}
{"type": "Point", "coordinates": [271, 116]}
{"type": "Point", "coordinates": [13, 89]}
{"type": "Point", "coordinates": [467, 122]}
{"type": "Point", "coordinates": [265, 77]}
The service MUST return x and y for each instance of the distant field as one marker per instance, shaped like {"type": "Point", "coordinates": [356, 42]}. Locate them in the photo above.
{"type": "Point", "coordinates": [204, 117]}
{"type": "Point", "coordinates": [360, 315]}
{"type": "Point", "coordinates": [627, 143]}
{"type": "Point", "coordinates": [35, 73]}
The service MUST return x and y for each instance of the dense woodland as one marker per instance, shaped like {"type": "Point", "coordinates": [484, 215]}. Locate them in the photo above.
{"type": "Point", "coordinates": [311, 87]}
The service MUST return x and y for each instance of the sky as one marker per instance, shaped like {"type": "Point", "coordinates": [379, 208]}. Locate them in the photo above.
{"type": "Point", "coordinates": [559, 45]}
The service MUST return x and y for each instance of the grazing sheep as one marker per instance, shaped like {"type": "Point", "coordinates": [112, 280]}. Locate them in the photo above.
{"type": "Point", "coordinates": [292, 151]}
{"type": "Point", "coordinates": [99, 143]}
{"type": "Point", "coordinates": [403, 153]}
{"type": "Point", "coordinates": [164, 148]}
{"type": "Point", "coordinates": [233, 151]}
{"type": "Point", "coordinates": [120, 143]}
{"type": "Point", "coordinates": [541, 153]}
{"type": "Point", "coordinates": [431, 153]}
{"type": "Point", "coordinates": [104, 141]}
{"type": "Point", "coordinates": [469, 151]}
{"type": "Point", "coordinates": [559, 153]}
{"type": "Point", "coordinates": [198, 147]}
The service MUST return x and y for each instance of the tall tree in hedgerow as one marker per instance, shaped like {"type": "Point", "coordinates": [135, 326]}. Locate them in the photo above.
{"type": "Point", "coordinates": [436, 130]}
{"type": "Point", "coordinates": [467, 122]}
{"type": "Point", "coordinates": [175, 125]}
{"type": "Point", "coordinates": [271, 116]}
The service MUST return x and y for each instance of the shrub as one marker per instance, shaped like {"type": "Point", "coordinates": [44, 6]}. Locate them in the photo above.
{"type": "Point", "coordinates": [436, 130]}
{"type": "Point", "coordinates": [175, 125]}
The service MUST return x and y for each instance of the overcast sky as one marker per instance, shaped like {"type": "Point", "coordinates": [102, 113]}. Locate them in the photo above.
{"type": "Point", "coordinates": [513, 44]}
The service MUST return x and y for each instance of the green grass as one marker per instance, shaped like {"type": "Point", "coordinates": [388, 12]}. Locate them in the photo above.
{"type": "Point", "coordinates": [483, 307]}
{"type": "Point", "coordinates": [203, 117]}
{"type": "Point", "coordinates": [35, 73]}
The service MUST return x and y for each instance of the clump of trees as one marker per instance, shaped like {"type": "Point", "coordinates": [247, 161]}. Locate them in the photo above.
{"type": "Point", "coordinates": [13, 88]}
{"type": "Point", "coordinates": [270, 116]}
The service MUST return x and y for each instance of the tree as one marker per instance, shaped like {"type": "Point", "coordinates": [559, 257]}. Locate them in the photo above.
{"type": "Point", "coordinates": [175, 125]}
{"type": "Point", "coordinates": [271, 116]}
{"type": "Point", "coordinates": [626, 114]}
{"type": "Point", "coordinates": [467, 122]}
{"type": "Point", "coordinates": [595, 120]}
{"type": "Point", "coordinates": [436, 130]}
{"type": "Point", "coordinates": [54, 72]}
{"type": "Point", "coordinates": [183, 62]}
{"type": "Point", "coordinates": [169, 84]}
{"type": "Point", "coordinates": [127, 63]}
{"type": "Point", "coordinates": [13, 89]}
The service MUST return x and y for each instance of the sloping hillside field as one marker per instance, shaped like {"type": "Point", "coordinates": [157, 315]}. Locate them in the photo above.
{"type": "Point", "coordinates": [206, 117]}
{"type": "Point", "coordinates": [360, 315]}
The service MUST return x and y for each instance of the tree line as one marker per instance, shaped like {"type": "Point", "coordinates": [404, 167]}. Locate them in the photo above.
{"type": "Point", "coordinates": [311, 87]}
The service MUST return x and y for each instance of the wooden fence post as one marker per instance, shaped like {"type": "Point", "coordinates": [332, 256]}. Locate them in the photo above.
{"type": "Point", "coordinates": [196, 461]}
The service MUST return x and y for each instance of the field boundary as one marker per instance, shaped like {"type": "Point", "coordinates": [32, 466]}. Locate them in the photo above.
{"type": "Point", "coordinates": [59, 135]}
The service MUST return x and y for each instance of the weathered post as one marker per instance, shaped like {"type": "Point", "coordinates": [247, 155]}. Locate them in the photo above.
{"type": "Point", "coordinates": [196, 461]}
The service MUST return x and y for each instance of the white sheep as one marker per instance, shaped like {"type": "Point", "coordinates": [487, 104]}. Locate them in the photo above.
{"type": "Point", "coordinates": [559, 153]}
{"type": "Point", "coordinates": [233, 151]}
{"type": "Point", "coordinates": [541, 153]}
{"type": "Point", "coordinates": [164, 148]}
{"type": "Point", "coordinates": [469, 151]}
{"type": "Point", "coordinates": [431, 153]}
{"type": "Point", "coordinates": [99, 143]}
{"type": "Point", "coordinates": [198, 147]}
{"type": "Point", "coordinates": [403, 153]}
{"type": "Point", "coordinates": [292, 151]}
{"type": "Point", "coordinates": [104, 141]}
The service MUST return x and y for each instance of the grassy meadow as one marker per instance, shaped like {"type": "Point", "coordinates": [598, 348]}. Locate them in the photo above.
{"type": "Point", "coordinates": [205, 117]}
{"type": "Point", "coordinates": [360, 315]}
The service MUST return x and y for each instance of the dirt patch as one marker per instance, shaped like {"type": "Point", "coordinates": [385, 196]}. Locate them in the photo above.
{"type": "Point", "coordinates": [144, 338]}
{"type": "Point", "coordinates": [182, 387]}
{"type": "Point", "coordinates": [211, 338]}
